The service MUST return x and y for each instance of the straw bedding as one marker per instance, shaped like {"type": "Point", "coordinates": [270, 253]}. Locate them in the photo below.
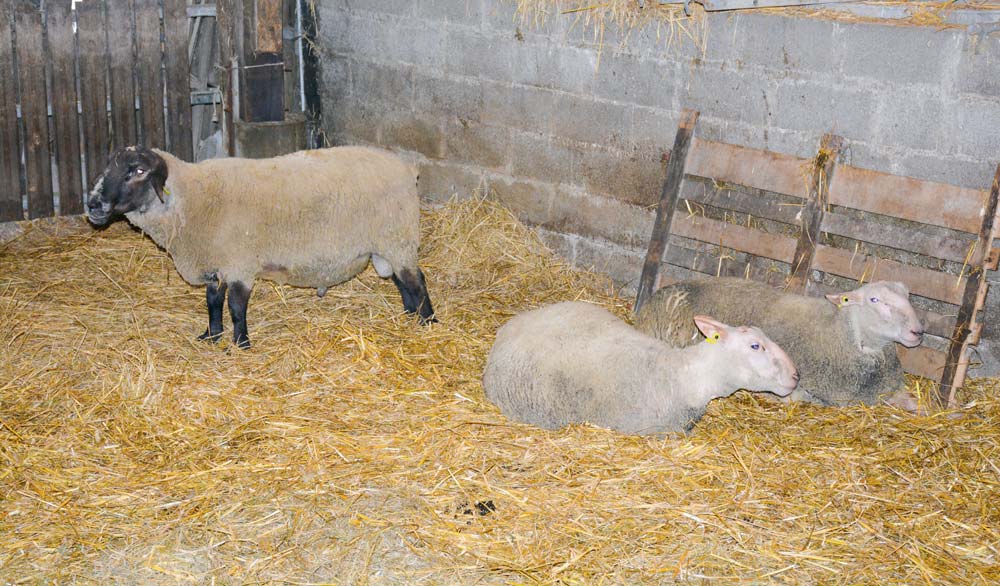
{"type": "Point", "coordinates": [353, 446]}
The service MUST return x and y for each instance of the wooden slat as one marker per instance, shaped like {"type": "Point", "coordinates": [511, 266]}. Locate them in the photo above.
{"type": "Point", "coordinates": [10, 157]}
{"type": "Point", "coordinates": [923, 282]}
{"type": "Point", "coordinates": [122, 63]}
{"type": "Point", "coordinates": [922, 361]}
{"type": "Point", "coordinates": [819, 185]}
{"type": "Point", "coordinates": [755, 242]}
{"type": "Point", "coordinates": [707, 263]}
{"type": "Point", "coordinates": [895, 236]}
{"type": "Point", "coordinates": [754, 168]}
{"type": "Point", "coordinates": [649, 280]}
{"type": "Point", "coordinates": [973, 298]}
{"type": "Point", "coordinates": [31, 70]}
{"type": "Point", "coordinates": [927, 202]}
{"type": "Point", "coordinates": [175, 30]}
{"type": "Point", "coordinates": [92, 40]}
{"type": "Point", "coordinates": [65, 125]}
{"type": "Point", "coordinates": [148, 61]}
{"type": "Point", "coordinates": [745, 200]}
{"type": "Point", "coordinates": [228, 16]}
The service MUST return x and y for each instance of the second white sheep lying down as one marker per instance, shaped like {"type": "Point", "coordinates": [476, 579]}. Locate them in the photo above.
{"type": "Point", "coordinates": [574, 362]}
{"type": "Point", "coordinates": [843, 345]}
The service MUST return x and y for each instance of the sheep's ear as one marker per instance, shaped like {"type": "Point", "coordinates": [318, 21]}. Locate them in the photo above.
{"type": "Point", "coordinates": [845, 299]}
{"type": "Point", "coordinates": [713, 330]}
{"type": "Point", "coordinates": [158, 174]}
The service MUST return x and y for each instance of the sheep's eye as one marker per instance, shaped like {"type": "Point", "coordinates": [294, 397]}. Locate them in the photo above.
{"type": "Point", "coordinates": [755, 346]}
{"type": "Point", "coordinates": [873, 299]}
{"type": "Point", "coordinates": [140, 171]}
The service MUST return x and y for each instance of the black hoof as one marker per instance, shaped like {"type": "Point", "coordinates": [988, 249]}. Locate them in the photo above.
{"type": "Point", "coordinates": [424, 321]}
{"type": "Point", "coordinates": [242, 342]}
{"type": "Point", "coordinates": [210, 337]}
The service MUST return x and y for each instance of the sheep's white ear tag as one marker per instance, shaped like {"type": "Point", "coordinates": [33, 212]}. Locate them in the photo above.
{"type": "Point", "coordinates": [713, 339]}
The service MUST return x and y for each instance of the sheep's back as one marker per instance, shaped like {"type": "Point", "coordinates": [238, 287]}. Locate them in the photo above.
{"type": "Point", "coordinates": [576, 363]}
{"type": "Point", "coordinates": [308, 216]}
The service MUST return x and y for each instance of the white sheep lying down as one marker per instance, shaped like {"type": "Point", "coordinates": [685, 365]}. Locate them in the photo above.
{"type": "Point", "coordinates": [843, 344]}
{"type": "Point", "coordinates": [574, 362]}
{"type": "Point", "coordinates": [309, 219]}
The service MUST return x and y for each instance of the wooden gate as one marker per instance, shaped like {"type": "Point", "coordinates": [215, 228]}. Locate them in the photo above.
{"type": "Point", "coordinates": [77, 81]}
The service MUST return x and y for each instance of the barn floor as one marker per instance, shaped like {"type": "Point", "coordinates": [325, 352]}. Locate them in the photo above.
{"type": "Point", "coordinates": [353, 446]}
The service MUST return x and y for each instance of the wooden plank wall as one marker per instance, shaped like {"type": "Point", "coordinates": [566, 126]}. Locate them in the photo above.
{"type": "Point", "coordinates": [63, 81]}
{"type": "Point", "coordinates": [745, 206]}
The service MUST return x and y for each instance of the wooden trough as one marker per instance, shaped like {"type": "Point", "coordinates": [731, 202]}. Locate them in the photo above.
{"type": "Point", "coordinates": [813, 220]}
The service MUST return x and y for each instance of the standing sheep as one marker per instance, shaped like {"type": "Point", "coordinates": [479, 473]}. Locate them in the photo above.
{"type": "Point", "coordinates": [573, 362]}
{"type": "Point", "coordinates": [843, 345]}
{"type": "Point", "coordinates": [308, 219]}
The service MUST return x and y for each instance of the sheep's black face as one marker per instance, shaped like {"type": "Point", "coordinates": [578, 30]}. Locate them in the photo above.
{"type": "Point", "coordinates": [134, 176]}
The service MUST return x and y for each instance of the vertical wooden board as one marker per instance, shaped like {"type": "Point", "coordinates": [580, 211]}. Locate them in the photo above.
{"type": "Point", "coordinates": [59, 23]}
{"type": "Point", "coordinates": [175, 31]}
{"type": "Point", "coordinates": [649, 280]}
{"type": "Point", "coordinates": [973, 297]}
{"type": "Point", "coordinates": [10, 154]}
{"type": "Point", "coordinates": [148, 63]}
{"type": "Point", "coordinates": [93, 43]}
{"type": "Point", "coordinates": [122, 67]}
{"type": "Point", "coordinates": [31, 78]}
{"type": "Point", "coordinates": [227, 13]}
{"type": "Point", "coordinates": [290, 56]}
{"type": "Point", "coordinates": [812, 215]}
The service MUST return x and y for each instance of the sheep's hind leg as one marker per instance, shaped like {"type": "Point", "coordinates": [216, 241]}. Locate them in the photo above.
{"type": "Point", "coordinates": [215, 296]}
{"type": "Point", "coordinates": [413, 288]}
{"type": "Point", "coordinates": [239, 297]}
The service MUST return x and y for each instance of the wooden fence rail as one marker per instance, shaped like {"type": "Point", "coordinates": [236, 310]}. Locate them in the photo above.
{"type": "Point", "coordinates": [86, 79]}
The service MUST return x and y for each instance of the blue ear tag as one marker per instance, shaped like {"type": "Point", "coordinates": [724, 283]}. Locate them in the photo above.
{"type": "Point", "coordinates": [714, 338]}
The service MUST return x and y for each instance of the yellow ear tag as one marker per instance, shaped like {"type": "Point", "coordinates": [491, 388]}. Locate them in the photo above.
{"type": "Point", "coordinates": [713, 339]}
{"type": "Point", "coordinates": [843, 301]}
{"type": "Point", "coordinates": [166, 191]}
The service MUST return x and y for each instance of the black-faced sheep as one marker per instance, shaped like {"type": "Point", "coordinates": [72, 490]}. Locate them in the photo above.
{"type": "Point", "coordinates": [573, 362]}
{"type": "Point", "coordinates": [843, 345]}
{"type": "Point", "coordinates": [308, 219]}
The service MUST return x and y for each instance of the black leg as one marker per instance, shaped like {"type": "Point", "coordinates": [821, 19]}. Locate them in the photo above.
{"type": "Point", "coordinates": [239, 297]}
{"type": "Point", "coordinates": [413, 290]}
{"type": "Point", "coordinates": [215, 296]}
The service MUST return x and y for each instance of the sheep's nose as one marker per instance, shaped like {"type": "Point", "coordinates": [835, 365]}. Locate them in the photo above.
{"type": "Point", "coordinates": [917, 333]}
{"type": "Point", "coordinates": [795, 375]}
{"type": "Point", "coordinates": [93, 203]}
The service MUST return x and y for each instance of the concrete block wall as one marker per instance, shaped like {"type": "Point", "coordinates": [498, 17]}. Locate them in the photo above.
{"type": "Point", "coordinates": [570, 130]}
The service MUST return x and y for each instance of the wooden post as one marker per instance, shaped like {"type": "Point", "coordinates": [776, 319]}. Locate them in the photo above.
{"type": "Point", "coordinates": [812, 214]}
{"type": "Point", "coordinates": [31, 74]}
{"type": "Point", "coordinates": [59, 21]}
{"type": "Point", "coordinates": [650, 280]}
{"type": "Point", "coordinates": [264, 64]}
{"type": "Point", "coordinates": [10, 154]}
{"type": "Point", "coordinates": [957, 362]}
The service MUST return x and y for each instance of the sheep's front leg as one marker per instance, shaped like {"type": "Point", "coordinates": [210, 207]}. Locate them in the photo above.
{"type": "Point", "coordinates": [215, 296]}
{"type": "Point", "coordinates": [239, 297]}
